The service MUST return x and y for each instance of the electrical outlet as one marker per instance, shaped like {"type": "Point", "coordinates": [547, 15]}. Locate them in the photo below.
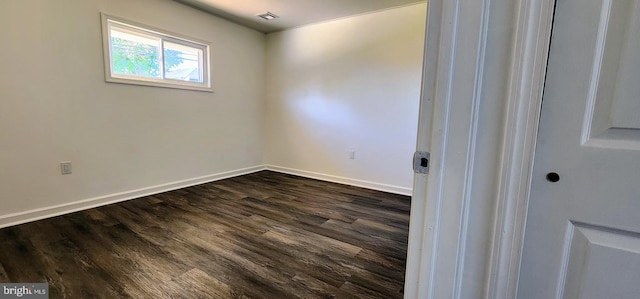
{"type": "Point", "coordinates": [65, 167]}
{"type": "Point", "coordinates": [352, 155]}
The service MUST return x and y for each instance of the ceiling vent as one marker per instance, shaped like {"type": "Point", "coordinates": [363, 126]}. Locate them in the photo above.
{"type": "Point", "coordinates": [268, 16]}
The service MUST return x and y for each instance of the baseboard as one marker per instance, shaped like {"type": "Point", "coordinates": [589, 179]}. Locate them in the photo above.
{"type": "Point", "coordinates": [57, 210]}
{"type": "Point", "coordinates": [52, 211]}
{"type": "Point", "coordinates": [342, 180]}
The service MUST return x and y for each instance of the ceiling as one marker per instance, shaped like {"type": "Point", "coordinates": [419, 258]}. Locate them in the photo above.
{"type": "Point", "coordinates": [292, 13]}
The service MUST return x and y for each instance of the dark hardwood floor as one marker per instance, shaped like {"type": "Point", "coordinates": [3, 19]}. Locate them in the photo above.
{"type": "Point", "coordinates": [263, 235]}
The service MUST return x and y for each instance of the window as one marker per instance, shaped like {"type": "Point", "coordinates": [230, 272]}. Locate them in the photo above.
{"type": "Point", "coordinates": [137, 54]}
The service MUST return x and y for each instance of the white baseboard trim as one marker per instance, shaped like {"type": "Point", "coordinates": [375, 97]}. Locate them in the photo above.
{"type": "Point", "coordinates": [85, 204]}
{"type": "Point", "coordinates": [52, 211]}
{"type": "Point", "coordinates": [342, 180]}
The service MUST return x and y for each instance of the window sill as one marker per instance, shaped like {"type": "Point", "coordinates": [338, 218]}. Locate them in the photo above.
{"type": "Point", "coordinates": [157, 84]}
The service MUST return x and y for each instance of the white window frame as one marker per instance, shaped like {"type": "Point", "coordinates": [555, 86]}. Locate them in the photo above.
{"type": "Point", "coordinates": [163, 35]}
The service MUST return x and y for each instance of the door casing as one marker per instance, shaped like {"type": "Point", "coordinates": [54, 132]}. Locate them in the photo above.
{"type": "Point", "coordinates": [455, 56]}
{"type": "Point", "coordinates": [534, 23]}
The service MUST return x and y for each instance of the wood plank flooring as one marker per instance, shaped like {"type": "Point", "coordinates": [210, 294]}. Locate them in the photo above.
{"type": "Point", "coordinates": [263, 235]}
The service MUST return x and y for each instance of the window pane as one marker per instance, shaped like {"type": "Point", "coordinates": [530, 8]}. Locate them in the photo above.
{"type": "Point", "coordinates": [146, 56]}
{"type": "Point", "coordinates": [182, 62]}
{"type": "Point", "coordinates": [134, 54]}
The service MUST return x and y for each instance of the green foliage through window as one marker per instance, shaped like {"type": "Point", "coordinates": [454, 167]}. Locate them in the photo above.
{"type": "Point", "coordinates": [136, 58]}
{"type": "Point", "coordinates": [145, 56]}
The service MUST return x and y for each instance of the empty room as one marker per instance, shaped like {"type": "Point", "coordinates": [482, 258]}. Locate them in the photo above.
{"type": "Point", "coordinates": [319, 149]}
{"type": "Point", "coordinates": [208, 149]}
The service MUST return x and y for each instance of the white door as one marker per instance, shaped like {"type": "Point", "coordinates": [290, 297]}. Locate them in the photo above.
{"type": "Point", "coordinates": [582, 237]}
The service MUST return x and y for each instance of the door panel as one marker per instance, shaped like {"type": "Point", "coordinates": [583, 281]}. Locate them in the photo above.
{"type": "Point", "coordinates": [612, 112]}
{"type": "Point", "coordinates": [581, 237]}
{"type": "Point", "coordinates": [602, 263]}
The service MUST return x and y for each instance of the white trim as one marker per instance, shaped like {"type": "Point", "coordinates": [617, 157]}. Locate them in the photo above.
{"type": "Point", "coordinates": [428, 189]}
{"type": "Point", "coordinates": [471, 153]}
{"type": "Point", "coordinates": [456, 35]}
{"type": "Point", "coordinates": [162, 35]}
{"type": "Point", "coordinates": [342, 180]}
{"type": "Point", "coordinates": [52, 211]}
{"type": "Point", "coordinates": [85, 204]}
{"type": "Point", "coordinates": [531, 49]}
{"type": "Point", "coordinates": [418, 229]}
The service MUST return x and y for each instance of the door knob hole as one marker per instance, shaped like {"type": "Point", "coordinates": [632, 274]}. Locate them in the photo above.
{"type": "Point", "coordinates": [553, 177]}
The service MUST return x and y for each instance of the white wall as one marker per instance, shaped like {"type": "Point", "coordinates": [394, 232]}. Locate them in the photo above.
{"type": "Point", "coordinates": [56, 106]}
{"type": "Point", "coordinates": [347, 85]}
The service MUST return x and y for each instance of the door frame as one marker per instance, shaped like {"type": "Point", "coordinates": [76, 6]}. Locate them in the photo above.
{"type": "Point", "coordinates": [455, 43]}
{"type": "Point", "coordinates": [528, 72]}
{"type": "Point", "coordinates": [456, 36]}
